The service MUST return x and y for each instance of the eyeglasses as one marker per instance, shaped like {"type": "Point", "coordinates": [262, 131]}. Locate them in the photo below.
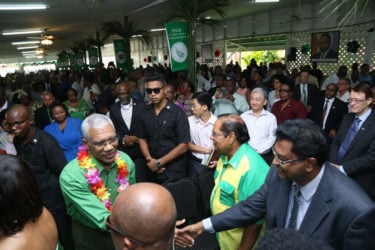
{"type": "Point", "coordinates": [284, 90]}
{"type": "Point", "coordinates": [281, 162]}
{"type": "Point", "coordinates": [215, 135]}
{"type": "Point", "coordinates": [122, 234]}
{"type": "Point", "coordinates": [101, 144]}
{"type": "Point", "coordinates": [18, 123]}
{"type": "Point", "coordinates": [155, 90]}
{"type": "Point", "coordinates": [355, 101]}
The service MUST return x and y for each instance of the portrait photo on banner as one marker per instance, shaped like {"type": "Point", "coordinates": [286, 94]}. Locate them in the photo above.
{"type": "Point", "coordinates": [325, 46]}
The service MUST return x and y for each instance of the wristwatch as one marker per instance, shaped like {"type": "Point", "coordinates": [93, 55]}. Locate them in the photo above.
{"type": "Point", "coordinates": [158, 164]}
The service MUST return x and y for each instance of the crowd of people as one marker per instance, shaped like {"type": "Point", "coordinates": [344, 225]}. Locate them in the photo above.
{"type": "Point", "coordinates": [293, 150]}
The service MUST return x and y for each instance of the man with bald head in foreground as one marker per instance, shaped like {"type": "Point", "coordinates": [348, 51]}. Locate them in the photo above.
{"type": "Point", "coordinates": [143, 217]}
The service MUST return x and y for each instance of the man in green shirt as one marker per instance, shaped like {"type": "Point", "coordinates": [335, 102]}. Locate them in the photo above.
{"type": "Point", "coordinates": [91, 182]}
{"type": "Point", "coordinates": [240, 171]}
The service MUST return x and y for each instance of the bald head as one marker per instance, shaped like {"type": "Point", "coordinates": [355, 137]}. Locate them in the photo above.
{"type": "Point", "coordinates": [18, 121]}
{"type": "Point", "coordinates": [123, 92]}
{"type": "Point", "coordinates": [146, 212]}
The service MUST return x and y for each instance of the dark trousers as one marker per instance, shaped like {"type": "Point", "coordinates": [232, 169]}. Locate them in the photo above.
{"type": "Point", "coordinates": [86, 238]}
{"type": "Point", "coordinates": [195, 167]}
{"type": "Point", "coordinates": [64, 229]}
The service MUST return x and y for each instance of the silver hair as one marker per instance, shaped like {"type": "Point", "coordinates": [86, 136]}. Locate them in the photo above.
{"type": "Point", "coordinates": [260, 90]}
{"type": "Point", "coordinates": [96, 121]}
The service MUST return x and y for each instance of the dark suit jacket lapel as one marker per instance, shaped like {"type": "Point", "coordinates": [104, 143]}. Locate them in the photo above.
{"type": "Point", "coordinates": [319, 208]}
{"type": "Point", "coordinates": [117, 113]}
{"type": "Point", "coordinates": [135, 110]}
{"type": "Point", "coordinates": [282, 201]}
{"type": "Point", "coordinates": [363, 130]}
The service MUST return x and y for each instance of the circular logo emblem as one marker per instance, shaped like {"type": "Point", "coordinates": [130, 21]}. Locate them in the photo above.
{"type": "Point", "coordinates": [120, 56]}
{"type": "Point", "coordinates": [179, 52]}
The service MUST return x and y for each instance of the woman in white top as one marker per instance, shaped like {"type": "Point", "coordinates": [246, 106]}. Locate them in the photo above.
{"type": "Point", "coordinates": [273, 95]}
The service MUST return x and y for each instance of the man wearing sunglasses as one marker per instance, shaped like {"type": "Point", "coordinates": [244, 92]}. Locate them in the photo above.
{"type": "Point", "coordinates": [143, 217]}
{"type": "Point", "coordinates": [302, 192]}
{"type": "Point", "coordinates": [163, 134]}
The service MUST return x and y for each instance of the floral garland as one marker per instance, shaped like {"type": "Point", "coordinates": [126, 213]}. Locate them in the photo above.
{"type": "Point", "coordinates": [92, 176]}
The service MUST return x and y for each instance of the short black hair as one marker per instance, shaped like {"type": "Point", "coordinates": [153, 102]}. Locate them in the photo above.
{"type": "Point", "coordinates": [204, 98]}
{"type": "Point", "coordinates": [363, 87]}
{"type": "Point", "coordinates": [20, 200]}
{"type": "Point", "coordinates": [282, 238]}
{"type": "Point", "coordinates": [307, 139]}
{"type": "Point", "coordinates": [58, 104]}
{"type": "Point", "coordinates": [235, 124]}
{"type": "Point", "coordinates": [155, 77]}
{"type": "Point", "coordinates": [72, 89]}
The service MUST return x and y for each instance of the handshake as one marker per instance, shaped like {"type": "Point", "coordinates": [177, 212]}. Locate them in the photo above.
{"type": "Point", "coordinates": [184, 237]}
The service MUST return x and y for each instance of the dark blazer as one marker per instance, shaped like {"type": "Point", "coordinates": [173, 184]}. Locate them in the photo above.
{"type": "Point", "coordinates": [121, 128]}
{"type": "Point", "coordinates": [312, 92]}
{"type": "Point", "coordinates": [359, 160]}
{"type": "Point", "coordinates": [337, 111]}
{"type": "Point", "coordinates": [340, 213]}
{"type": "Point", "coordinates": [331, 54]}
{"type": "Point", "coordinates": [41, 117]}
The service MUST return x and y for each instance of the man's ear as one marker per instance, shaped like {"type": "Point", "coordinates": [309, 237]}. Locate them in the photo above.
{"type": "Point", "coordinates": [85, 142]}
{"type": "Point", "coordinates": [128, 244]}
{"type": "Point", "coordinates": [311, 164]}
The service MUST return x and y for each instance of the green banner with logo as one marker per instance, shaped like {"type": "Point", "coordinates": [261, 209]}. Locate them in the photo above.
{"type": "Point", "coordinates": [119, 45]}
{"type": "Point", "coordinates": [178, 45]}
{"type": "Point", "coordinates": [93, 57]}
{"type": "Point", "coordinates": [79, 60]}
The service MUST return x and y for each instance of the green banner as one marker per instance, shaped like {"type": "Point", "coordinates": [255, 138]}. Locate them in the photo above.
{"type": "Point", "coordinates": [177, 43]}
{"type": "Point", "coordinates": [79, 60]}
{"type": "Point", "coordinates": [119, 45]}
{"type": "Point", "coordinates": [93, 57]}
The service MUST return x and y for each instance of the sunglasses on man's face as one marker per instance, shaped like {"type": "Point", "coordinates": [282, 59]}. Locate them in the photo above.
{"type": "Point", "coordinates": [155, 90]}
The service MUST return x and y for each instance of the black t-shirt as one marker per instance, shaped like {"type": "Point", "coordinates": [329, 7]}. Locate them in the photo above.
{"type": "Point", "coordinates": [164, 132]}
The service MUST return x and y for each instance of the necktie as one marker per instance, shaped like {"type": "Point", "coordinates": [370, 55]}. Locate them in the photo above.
{"type": "Point", "coordinates": [324, 113]}
{"type": "Point", "coordinates": [294, 213]}
{"type": "Point", "coordinates": [304, 92]}
{"type": "Point", "coordinates": [348, 140]}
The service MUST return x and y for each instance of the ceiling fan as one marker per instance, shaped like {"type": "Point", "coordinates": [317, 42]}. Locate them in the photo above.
{"type": "Point", "coordinates": [47, 39]}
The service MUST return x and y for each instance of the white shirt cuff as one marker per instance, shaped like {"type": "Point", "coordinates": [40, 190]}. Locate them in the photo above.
{"type": "Point", "coordinates": [207, 224]}
{"type": "Point", "coordinates": [341, 168]}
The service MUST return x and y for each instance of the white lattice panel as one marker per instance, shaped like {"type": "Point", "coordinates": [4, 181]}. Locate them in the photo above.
{"type": "Point", "coordinates": [358, 33]}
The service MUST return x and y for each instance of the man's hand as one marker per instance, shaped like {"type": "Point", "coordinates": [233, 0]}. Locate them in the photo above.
{"type": "Point", "coordinates": [129, 140]}
{"type": "Point", "coordinates": [308, 108]}
{"type": "Point", "coordinates": [185, 237]}
{"type": "Point", "coordinates": [151, 164]}
{"type": "Point", "coordinates": [229, 97]}
{"type": "Point", "coordinates": [332, 133]}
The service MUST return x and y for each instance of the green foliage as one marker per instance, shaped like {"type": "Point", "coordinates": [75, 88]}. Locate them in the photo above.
{"type": "Point", "coordinates": [267, 56]}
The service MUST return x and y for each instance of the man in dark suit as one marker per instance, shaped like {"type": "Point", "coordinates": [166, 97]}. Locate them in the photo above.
{"type": "Point", "coordinates": [304, 91]}
{"type": "Point", "coordinates": [325, 50]}
{"type": "Point", "coordinates": [125, 116]}
{"type": "Point", "coordinates": [301, 192]}
{"type": "Point", "coordinates": [354, 152]}
{"type": "Point", "coordinates": [327, 111]}
{"type": "Point", "coordinates": [42, 115]}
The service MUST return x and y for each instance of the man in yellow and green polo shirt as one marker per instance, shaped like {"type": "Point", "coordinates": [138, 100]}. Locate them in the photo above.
{"type": "Point", "coordinates": [239, 173]}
